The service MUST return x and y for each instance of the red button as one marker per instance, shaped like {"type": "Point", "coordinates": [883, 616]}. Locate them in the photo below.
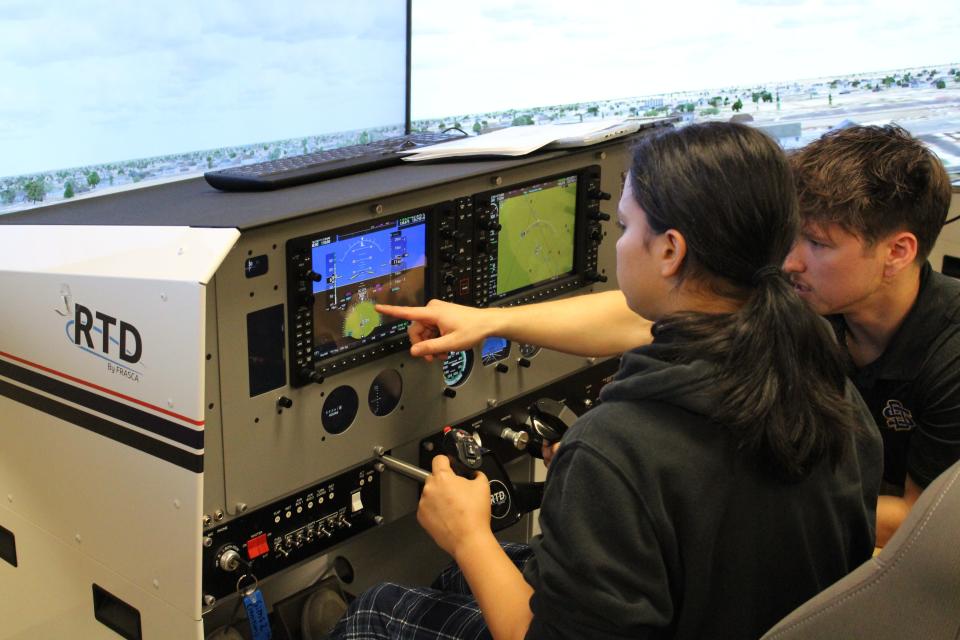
{"type": "Point", "coordinates": [258, 546]}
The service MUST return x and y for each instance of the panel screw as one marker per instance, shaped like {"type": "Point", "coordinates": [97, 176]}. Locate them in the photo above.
{"type": "Point", "coordinates": [209, 600]}
{"type": "Point", "coordinates": [218, 515]}
{"type": "Point", "coordinates": [241, 507]}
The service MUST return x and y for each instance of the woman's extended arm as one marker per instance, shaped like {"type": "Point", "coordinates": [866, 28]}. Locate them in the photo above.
{"type": "Point", "coordinates": [597, 324]}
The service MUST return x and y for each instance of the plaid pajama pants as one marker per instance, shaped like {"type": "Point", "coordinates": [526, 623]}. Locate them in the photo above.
{"type": "Point", "coordinates": [444, 611]}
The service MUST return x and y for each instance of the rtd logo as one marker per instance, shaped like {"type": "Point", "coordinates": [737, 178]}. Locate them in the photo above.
{"type": "Point", "coordinates": [499, 499]}
{"type": "Point", "coordinates": [85, 321]}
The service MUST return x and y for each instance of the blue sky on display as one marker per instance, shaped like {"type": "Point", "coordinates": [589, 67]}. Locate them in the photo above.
{"type": "Point", "coordinates": [94, 81]}
{"type": "Point", "coordinates": [560, 51]}
{"type": "Point", "coordinates": [88, 81]}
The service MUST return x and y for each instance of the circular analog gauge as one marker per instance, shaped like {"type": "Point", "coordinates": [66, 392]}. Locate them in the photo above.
{"type": "Point", "coordinates": [529, 350]}
{"type": "Point", "coordinates": [457, 367]}
{"type": "Point", "coordinates": [494, 350]}
{"type": "Point", "coordinates": [340, 409]}
{"type": "Point", "coordinates": [385, 391]}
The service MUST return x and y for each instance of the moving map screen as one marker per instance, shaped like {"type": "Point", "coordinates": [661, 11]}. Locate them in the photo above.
{"type": "Point", "coordinates": [360, 266]}
{"type": "Point", "coordinates": [535, 243]}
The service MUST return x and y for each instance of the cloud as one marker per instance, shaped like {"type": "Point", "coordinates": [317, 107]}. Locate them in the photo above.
{"type": "Point", "coordinates": [771, 3]}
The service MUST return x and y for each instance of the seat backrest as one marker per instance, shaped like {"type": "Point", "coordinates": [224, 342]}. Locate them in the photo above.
{"type": "Point", "coordinates": [911, 589]}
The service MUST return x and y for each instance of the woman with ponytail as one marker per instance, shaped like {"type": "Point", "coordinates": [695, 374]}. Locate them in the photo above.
{"type": "Point", "coordinates": [730, 472]}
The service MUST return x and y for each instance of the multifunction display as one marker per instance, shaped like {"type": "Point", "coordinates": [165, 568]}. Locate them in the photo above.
{"type": "Point", "coordinates": [533, 235]}
{"type": "Point", "coordinates": [358, 268]}
{"type": "Point", "coordinates": [335, 280]}
{"type": "Point", "coordinates": [518, 243]}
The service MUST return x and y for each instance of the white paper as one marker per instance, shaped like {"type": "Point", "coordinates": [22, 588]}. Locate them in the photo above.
{"type": "Point", "coordinates": [512, 141]}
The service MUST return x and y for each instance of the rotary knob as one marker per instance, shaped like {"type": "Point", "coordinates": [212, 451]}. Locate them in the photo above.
{"type": "Point", "coordinates": [228, 559]}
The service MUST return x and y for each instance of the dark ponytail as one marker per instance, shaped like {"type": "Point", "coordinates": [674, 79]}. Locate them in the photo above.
{"type": "Point", "coordinates": [727, 189]}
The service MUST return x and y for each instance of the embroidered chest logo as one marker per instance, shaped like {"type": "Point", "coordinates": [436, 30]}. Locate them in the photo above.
{"type": "Point", "coordinates": [898, 417]}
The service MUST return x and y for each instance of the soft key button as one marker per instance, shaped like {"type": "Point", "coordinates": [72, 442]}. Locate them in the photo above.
{"type": "Point", "coordinates": [258, 546]}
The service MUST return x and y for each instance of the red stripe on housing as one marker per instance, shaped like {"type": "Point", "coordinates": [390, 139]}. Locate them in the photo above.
{"type": "Point", "coordinates": [117, 394]}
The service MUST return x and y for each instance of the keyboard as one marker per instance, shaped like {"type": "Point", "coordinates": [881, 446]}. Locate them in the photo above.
{"type": "Point", "coordinates": [322, 165]}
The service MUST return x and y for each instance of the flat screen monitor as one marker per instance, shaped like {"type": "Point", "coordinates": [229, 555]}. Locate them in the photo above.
{"type": "Point", "coordinates": [358, 267]}
{"type": "Point", "coordinates": [98, 97]}
{"type": "Point", "coordinates": [536, 241]}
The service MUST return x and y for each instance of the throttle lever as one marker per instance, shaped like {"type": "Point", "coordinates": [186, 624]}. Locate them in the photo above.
{"type": "Point", "coordinates": [401, 467]}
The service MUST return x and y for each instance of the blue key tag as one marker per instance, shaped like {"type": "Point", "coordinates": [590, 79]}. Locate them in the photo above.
{"type": "Point", "coordinates": [256, 611]}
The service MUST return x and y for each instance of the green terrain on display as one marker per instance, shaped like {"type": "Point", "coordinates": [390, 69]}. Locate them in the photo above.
{"type": "Point", "coordinates": [536, 238]}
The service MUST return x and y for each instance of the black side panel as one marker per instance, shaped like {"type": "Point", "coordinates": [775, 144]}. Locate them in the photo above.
{"type": "Point", "coordinates": [265, 342]}
{"type": "Point", "coordinates": [116, 614]}
{"type": "Point", "coordinates": [8, 546]}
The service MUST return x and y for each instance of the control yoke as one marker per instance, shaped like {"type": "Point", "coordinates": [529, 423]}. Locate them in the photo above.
{"type": "Point", "coordinates": [549, 420]}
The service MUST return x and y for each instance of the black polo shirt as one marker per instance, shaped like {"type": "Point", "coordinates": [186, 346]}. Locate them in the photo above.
{"type": "Point", "coordinates": [913, 388]}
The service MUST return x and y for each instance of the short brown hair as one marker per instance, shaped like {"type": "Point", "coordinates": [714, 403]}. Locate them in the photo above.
{"type": "Point", "coordinates": [873, 181]}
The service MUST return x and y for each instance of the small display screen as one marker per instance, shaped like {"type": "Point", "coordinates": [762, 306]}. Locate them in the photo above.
{"type": "Point", "coordinates": [359, 267]}
{"type": "Point", "coordinates": [494, 350]}
{"type": "Point", "coordinates": [537, 234]}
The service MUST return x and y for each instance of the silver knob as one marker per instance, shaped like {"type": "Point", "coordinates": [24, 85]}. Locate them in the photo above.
{"type": "Point", "coordinates": [229, 560]}
{"type": "Point", "coordinates": [518, 439]}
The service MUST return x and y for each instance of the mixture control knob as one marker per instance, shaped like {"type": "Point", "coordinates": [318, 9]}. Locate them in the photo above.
{"type": "Point", "coordinates": [518, 438]}
{"type": "Point", "coordinates": [228, 559]}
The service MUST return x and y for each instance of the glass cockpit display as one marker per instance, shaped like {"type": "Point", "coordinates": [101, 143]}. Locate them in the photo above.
{"type": "Point", "coordinates": [536, 237]}
{"type": "Point", "coordinates": [358, 267]}
{"type": "Point", "coordinates": [494, 350]}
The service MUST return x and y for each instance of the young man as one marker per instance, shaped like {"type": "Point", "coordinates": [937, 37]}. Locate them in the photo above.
{"type": "Point", "coordinates": [873, 200]}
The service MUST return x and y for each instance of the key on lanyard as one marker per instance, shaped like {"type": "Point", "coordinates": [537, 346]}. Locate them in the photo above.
{"type": "Point", "coordinates": [256, 608]}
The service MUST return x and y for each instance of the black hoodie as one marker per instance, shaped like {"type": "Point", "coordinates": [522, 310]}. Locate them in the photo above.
{"type": "Point", "coordinates": [654, 525]}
